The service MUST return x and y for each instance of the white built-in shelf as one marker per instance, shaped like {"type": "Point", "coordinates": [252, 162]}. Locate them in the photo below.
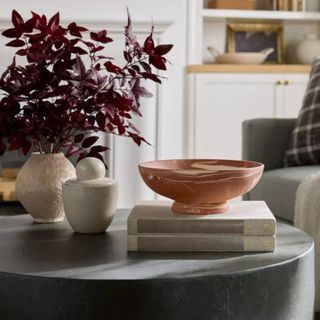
{"type": "Point", "coordinates": [218, 14]}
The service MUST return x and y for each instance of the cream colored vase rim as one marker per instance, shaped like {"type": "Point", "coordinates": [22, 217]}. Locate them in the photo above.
{"type": "Point", "coordinates": [37, 154]}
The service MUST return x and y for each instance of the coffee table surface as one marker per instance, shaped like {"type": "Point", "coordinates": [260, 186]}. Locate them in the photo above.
{"type": "Point", "coordinates": [54, 250]}
{"type": "Point", "coordinates": [49, 272]}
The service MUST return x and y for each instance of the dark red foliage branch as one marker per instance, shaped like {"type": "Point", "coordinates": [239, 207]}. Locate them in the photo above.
{"type": "Point", "coordinates": [67, 90]}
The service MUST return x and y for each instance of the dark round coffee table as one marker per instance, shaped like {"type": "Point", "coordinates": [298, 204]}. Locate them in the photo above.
{"type": "Point", "coordinates": [49, 272]}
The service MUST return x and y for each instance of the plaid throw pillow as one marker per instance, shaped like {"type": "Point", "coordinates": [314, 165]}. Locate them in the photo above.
{"type": "Point", "coordinates": [304, 147]}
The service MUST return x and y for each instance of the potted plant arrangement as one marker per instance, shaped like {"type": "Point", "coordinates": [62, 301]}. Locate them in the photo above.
{"type": "Point", "coordinates": [64, 92]}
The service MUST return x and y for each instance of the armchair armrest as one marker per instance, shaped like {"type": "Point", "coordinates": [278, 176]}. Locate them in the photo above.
{"type": "Point", "coordinates": [266, 140]}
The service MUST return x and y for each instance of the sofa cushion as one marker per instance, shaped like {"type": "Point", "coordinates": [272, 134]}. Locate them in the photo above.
{"type": "Point", "coordinates": [278, 188]}
{"type": "Point", "coordinates": [304, 146]}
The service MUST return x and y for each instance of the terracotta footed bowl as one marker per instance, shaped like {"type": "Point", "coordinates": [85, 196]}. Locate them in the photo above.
{"type": "Point", "coordinates": [201, 186]}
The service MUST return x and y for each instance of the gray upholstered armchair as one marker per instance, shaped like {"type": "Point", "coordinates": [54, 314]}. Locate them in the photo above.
{"type": "Point", "coordinates": [265, 140]}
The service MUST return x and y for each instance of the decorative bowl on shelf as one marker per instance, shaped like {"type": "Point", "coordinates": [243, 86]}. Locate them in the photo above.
{"type": "Point", "coordinates": [240, 57]}
{"type": "Point", "coordinates": [201, 186]}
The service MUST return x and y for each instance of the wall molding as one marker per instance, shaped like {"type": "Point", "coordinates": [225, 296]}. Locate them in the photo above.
{"type": "Point", "coordinates": [115, 26]}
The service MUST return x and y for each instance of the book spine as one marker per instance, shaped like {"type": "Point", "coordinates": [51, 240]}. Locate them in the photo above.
{"type": "Point", "coordinates": [301, 5]}
{"type": "Point", "coordinates": [294, 5]}
{"type": "Point", "coordinates": [286, 5]}
{"type": "Point", "coordinates": [281, 5]}
{"type": "Point", "coordinates": [174, 243]}
{"type": "Point", "coordinates": [266, 227]}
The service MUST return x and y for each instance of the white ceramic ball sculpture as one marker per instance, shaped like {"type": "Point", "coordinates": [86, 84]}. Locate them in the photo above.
{"type": "Point", "coordinates": [90, 200]}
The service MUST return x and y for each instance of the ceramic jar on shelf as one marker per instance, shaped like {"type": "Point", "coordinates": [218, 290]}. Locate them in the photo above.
{"type": "Point", "coordinates": [308, 48]}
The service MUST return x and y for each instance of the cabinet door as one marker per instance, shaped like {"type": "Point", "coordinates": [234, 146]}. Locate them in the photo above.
{"type": "Point", "coordinates": [293, 94]}
{"type": "Point", "coordinates": [222, 102]}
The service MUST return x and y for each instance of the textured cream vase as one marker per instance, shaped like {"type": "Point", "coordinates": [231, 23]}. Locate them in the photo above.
{"type": "Point", "coordinates": [39, 185]}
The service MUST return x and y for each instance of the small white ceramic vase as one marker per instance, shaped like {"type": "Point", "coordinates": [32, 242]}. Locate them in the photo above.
{"type": "Point", "coordinates": [308, 48]}
{"type": "Point", "coordinates": [90, 200]}
{"type": "Point", "coordinates": [39, 185]}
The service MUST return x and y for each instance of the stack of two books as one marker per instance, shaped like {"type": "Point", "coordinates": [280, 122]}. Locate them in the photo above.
{"type": "Point", "coordinates": [247, 226]}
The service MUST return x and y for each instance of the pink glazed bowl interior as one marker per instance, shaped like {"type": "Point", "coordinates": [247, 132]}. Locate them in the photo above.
{"type": "Point", "coordinates": [201, 186]}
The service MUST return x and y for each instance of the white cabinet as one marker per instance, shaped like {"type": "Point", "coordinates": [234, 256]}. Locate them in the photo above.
{"type": "Point", "coordinates": [293, 92]}
{"type": "Point", "coordinates": [219, 103]}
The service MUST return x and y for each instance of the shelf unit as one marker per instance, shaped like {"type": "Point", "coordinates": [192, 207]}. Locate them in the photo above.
{"type": "Point", "coordinates": [208, 27]}
{"type": "Point", "coordinates": [250, 68]}
{"type": "Point", "coordinates": [219, 14]}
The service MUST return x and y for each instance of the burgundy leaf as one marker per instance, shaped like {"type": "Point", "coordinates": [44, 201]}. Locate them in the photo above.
{"type": "Point", "coordinates": [101, 120]}
{"type": "Point", "coordinates": [121, 129]}
{"type": "Point", "coordinates": [12, 33]}
{"type": "Point", "coordinates": [21, 52]}
{"type": "Point", "coordinates": [16, 43]}
{"type": "Point", "coordinates": [92, 120]}
{"type": "Point", "coordinates": [98, 149]}
{"type": "Point", "coordinates": [150, 76]}
{"type": "Point", "coordinates": [76, 30]}
{"type": "Point", "coordinates": [78, 138]}
{"type": "Point", "coordinates": [88, 142]}
{"type": "Point", "coordinates": [149, 44]}
{"type": "Point", "coordinates": [127, 56]}
{"type": "Point", "coordinates": [137, 139]}
{"type": "Point", "coordinates": [96, 49]}
{"type": "Point", "coordinates": [17, 19]}
{"type": "Point", "coordinates": [122, 102]}
{"type": "Point", "coordinates": [145, 66]}
{"type": "Point", "coordinates": [110, 127]}
{"type": "Point", "coordinates": [80, 68]}
{"type": "Point", "coordinates": [96, 155]}
{"type": "Point", "coordinates": [163, 49]}
{"type": "Point", "coordinates": [113, 68]}
{"type": "Point", "coordinates": [26, 146]}
{"type": "Point", "coordinates": [78, 50]}
{"type": "Point", "coordinates": [141, 91]}
{"type": "Point", "coordinates": [136, 68]}
{"type": "Point", "coordinates": [158, 62]}
{"type": "Point", "coordinates": [100, 36]}
{"type": "Point", "coordinates": [29, 25]}
{"type": "Point", "coordinates": [132, 72]}
{"type": "Point", "coordinates": [54, 22]}
{"type": "Point", "coordinates": [131, 39]}
{"type": "Point", "coordinates": [35, 54]}
{"type": "Point", "coordinates": [15, 142]}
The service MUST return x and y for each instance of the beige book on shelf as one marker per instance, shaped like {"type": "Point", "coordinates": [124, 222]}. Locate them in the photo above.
{"type": "Point", "coordinates": [281, 5]}
{"type": "Point", "coordinates": [243, 218]}
{"type": "Point", "coordinates": [294, 5]}
{"type": "Point", "coordinates": [275, 5]}
{"type": "Point", "coordinates": [202, 243]}
{"type": "Point", "coordinates": [301, 5]}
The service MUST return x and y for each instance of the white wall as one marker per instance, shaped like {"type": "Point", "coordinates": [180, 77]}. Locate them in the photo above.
{"type": "Point", "coordinates": [162, 123]}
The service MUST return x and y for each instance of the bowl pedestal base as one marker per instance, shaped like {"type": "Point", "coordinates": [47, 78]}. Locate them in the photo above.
{"type": "Point", "coordinates": [200, 208]}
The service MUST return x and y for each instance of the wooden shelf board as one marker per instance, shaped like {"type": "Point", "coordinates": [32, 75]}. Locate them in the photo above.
{"type": "Point", "coordinates": [250, 68]}
{"type": "Point", "coordinates": [218, 14]}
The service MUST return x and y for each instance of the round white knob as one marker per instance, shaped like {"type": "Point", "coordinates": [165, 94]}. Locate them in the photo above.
{"type": "Point", "coordinates": [90, 168]}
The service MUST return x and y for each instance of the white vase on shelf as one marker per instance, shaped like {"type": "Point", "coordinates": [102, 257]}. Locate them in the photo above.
{"type": "Point", "coordinates": [308, 48]}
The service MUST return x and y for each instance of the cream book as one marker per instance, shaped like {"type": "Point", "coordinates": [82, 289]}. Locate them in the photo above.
{"type": "Point", "coordinates": [245, 218]}
{"type": "Point", "coordinates": [200, 243]}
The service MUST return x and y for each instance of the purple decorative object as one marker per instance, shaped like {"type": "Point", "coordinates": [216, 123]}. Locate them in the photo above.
{"type": "Point", "coordinates": [67, 88]}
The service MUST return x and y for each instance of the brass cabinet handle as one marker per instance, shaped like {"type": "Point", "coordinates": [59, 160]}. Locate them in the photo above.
{"type": "Point", "coordinates": [284, 82]}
